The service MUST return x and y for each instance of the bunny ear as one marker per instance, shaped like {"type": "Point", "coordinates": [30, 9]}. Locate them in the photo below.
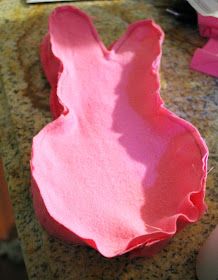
{"type": "Point", "coordinates": [71, 31]}
{"type": "Point", "coordinates": [139, 49]}
{"type": "Point", "coordinates": [143, 39]}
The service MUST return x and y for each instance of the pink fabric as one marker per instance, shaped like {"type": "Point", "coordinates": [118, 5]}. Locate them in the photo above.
{"type": "Point", "coordinates": [208, 26]}
{"type": "Point", "coordinates": [205, 59]}
{"type": "Point", "coordinates": [115, 169]}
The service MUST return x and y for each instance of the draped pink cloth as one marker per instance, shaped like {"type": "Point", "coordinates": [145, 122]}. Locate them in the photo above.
{"type": "Point", "coordinates": [115, 169]}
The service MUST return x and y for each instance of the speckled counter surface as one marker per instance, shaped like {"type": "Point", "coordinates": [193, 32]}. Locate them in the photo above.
{"type": "Point", "coordinates": [24, 111]}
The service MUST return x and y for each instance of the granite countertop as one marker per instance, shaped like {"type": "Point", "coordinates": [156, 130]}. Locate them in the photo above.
{"type": "Point", "coordinates": [24, 110]}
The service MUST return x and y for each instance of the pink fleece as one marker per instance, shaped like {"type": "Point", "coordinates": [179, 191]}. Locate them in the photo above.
{"type": "Point", "coordinates": [115, 169]}
{"type": "Point", "coordinates": [205, 59]}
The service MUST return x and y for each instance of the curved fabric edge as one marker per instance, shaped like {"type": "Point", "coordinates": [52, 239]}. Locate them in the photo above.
{"type": "Point", "coordinates": [107, 53]}
{"type": "Point", "coordinates": [199, 141]}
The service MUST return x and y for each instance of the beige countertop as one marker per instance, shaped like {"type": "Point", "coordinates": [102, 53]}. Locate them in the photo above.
{"type": "Point", "coordinates": [24, 110]}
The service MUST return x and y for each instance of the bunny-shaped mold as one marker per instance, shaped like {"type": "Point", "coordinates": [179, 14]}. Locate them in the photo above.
{"type": "Point", "coordinates": [115, 169]}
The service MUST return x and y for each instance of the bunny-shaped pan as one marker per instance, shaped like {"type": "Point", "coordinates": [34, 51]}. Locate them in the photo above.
{"type": "Point", "coordinates": [115, 169]}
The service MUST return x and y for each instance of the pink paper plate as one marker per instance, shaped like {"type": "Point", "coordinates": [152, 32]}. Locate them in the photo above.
{"type": "Point", "coordinates": [115, 169]}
